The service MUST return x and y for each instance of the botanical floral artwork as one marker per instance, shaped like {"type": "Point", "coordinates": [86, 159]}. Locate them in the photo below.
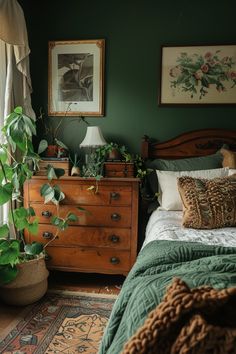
{"type": "Point", "coordinates": [198, 75]}
{"type": "Point", "coordinates": [76, 76]}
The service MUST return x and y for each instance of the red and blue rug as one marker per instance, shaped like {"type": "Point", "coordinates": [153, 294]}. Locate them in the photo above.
{"type": "Point", "coordinates": [61, 322]}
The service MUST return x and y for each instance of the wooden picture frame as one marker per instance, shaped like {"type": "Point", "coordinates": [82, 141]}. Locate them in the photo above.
{"type": "Point", "coordinates": [76, 78]}
{"type": "Point", "coordinates": [198, 75]}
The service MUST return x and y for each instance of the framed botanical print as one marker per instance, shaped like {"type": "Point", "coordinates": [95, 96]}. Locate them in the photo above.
{"type": "Point", "coordinates": [199, 75]}
{"type": "Point", "coordinates": [76, 78]}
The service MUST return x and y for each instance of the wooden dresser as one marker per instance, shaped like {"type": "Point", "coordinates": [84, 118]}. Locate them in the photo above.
{"type": "Point", "coordinates": [104, 239]}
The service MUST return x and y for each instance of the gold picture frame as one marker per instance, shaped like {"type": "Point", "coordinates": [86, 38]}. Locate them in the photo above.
{"type": "Point", "coordinates": [198, 75]}
{"type": "Point", "coordinates": [76, 78]}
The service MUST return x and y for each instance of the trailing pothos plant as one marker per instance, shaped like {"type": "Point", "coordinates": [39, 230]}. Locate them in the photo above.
{"type": "Point", "coordinates": [18, 161]}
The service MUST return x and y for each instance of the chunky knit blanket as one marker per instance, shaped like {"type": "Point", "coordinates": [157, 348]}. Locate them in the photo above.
{"type": "Point", "coordinates": [190, 321]}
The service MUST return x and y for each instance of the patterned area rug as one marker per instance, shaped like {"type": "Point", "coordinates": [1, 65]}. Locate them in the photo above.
{"type": "Point", "coordinates": [62, 322]}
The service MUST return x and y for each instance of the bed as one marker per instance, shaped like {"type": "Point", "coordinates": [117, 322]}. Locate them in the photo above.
{"type": "Point", "coordinates": [177, 262]}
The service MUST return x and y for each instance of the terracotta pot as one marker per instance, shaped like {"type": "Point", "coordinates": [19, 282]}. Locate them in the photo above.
{"type": "Point", "coordinates": [113, 155]}
{"type": "Point", "coordinates": [52, 151]}
{"type": "Point", "coordinates": [29, 285]}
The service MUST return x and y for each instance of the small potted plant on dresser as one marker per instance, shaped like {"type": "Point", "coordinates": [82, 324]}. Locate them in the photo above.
{"type": "Point", "coordinates": [23, 274]}
{"type": "Point", "coordinates": [75, 162]}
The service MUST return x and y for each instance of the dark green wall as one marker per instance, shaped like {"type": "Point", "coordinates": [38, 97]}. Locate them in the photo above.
{"type": "Point", "coordinates": [134, 31]}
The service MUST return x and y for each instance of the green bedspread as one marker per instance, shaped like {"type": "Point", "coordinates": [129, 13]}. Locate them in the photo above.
{"type": "Point", "coordinates": [157, 264]}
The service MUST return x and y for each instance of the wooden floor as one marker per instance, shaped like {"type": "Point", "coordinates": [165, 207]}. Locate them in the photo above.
{"type": "Point", "coordinates": [93, 283]}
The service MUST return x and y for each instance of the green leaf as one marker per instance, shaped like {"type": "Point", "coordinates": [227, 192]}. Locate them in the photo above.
{"type": "Point", "coordinates": [9, 252]}
{"type": "Point", "coordinates": [21, 213]}
{"type": "Point", "coordinates": [56, 220]}
{"type": "Point", "coordinates": [34, 248]}
{"type": "Point", "coordinates": [82, 209]}
{"type": "Point", "coordinates": [42, 146]}
{"type": "Point", "coordinates": [29, 125]}
{"type": "Point", "coordinates": [51, 174]}
{"type": "Point", "coordinates": [59, 172]}
{"type": "Point", "coordinates": [49, 197]}
{"type": "Point", "coordinates": [18, 110]}
{"type": "Point", "coordinates": [16, 180]}
{"type": "Point", "coordinates": [5, 193]}
{"type": "Point", "coordinates": [30, 211]}
{"type": "Point", "coordinates": [47, 192]}
{"type": "Point", "coordinates": [58, 194]}
{"type": "Point", "coordinates": [33, 227]}
{"type": "Point", "coordinates": [205, 81]}
{"type": "Point", "coordinates": [21, 224]}
{"type": "Point", "coordinates": [8, 171]}
{"type": "Point", "coordinates": [72, 217]}
{"type": "Point", "coordinates": [7, 274]}
{"type": "Point", "coordinates": [4, 230]}
{"type": "Point", "coordinates": [61, 144]}
{"type": "Point", "coordinates": [60, 223]}
{"type": "Point", "coordinates": [3, 155]}
{"type": "Point", "coordinates": [45, 189]}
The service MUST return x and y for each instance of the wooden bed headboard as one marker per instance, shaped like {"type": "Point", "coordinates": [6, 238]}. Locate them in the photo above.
{"type": "Point", "coordinates": [191, 144]}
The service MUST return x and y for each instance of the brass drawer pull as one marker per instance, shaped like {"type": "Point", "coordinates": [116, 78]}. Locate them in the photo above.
{"type": "Point", "coordinates": [115, 217]}
{"type": "Point", "coordinates": [115, 195]}
{"type": "Point", "coordinates": [46, 213]}
{"type": "Point", "coordinates": [47, 235]}
{"type": "Point", "coordinates": [114, 238]}
{"type": "Point", "coordinates": [114, 260]}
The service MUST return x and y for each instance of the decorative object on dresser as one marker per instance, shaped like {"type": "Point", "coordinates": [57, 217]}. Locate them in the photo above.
{"type": "Point", "coordinates": [62, 163]}
{"type": "Point", "coordinates": [102, 240]}
{"type": "Point", "coordinates": [93, 139]}
{"type": "Point", "coordinates": [75, 161]}
{"type": "Point", "coordinates": [119, 169]}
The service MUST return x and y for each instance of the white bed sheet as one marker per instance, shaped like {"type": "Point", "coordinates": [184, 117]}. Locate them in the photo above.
{"type": "Point", "coordinates": [166, 225]}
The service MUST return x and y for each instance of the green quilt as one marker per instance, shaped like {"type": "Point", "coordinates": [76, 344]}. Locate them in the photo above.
{"type": "Point", "coordinates": [156, 265]}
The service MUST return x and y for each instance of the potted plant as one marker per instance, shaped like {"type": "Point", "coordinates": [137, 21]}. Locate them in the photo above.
{"type": "Point", "coordinates": [75, 161]}
{"type": "Point", "coordinates": [52, 146]}
{"type": "Point", "coordinates": [23, 274]}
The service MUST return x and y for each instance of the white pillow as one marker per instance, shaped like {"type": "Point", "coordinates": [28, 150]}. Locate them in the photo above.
{"type": "Point", "coordinates": [231, 171]}
{"type": "Point", "coordinates": [169, 197]}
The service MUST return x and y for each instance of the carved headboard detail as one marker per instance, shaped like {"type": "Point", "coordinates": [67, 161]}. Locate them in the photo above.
{"type": "Point", "coordinates": [191, 144]}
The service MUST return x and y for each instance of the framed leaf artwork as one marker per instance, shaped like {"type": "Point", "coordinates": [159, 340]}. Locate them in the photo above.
{"type": "Point", "coordinates": [76, 78]}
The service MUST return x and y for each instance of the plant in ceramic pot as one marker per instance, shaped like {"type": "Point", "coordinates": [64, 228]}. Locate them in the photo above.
{"type": "Point", "coordinates": [50, 144]}
{"type": "Point", "coordinates": [75, 161]}
{"type": "Point", "coordinates": [23, 274]}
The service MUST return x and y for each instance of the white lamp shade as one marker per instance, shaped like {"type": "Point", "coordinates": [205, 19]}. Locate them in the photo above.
{"type": "Point", "coordinates": [93, 137]}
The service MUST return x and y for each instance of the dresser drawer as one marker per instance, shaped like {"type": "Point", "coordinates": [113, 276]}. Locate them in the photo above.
{"type": "Point", "coordinates": [84, 236]}
{"type": "Point", "coordinates": [79, 194]}
{"type": "Point", "coordinates": [101, 260]}
{"type": "Point", "coordinates": [116, 216]}
{"type": "Point", "coordinates": [104, 239]}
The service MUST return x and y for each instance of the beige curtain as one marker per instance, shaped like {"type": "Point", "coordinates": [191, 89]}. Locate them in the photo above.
{"type": "Point", "coordinates": [14, 58]}
{"type": "Point", "coordinates": [15, 82]}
